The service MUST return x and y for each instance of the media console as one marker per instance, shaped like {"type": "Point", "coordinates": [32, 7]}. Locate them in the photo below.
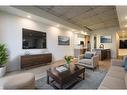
{"type": "Point", "coordinates": [30, 61]}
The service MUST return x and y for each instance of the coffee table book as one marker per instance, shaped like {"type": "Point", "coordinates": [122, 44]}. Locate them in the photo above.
{"type": "Point", "coordinates": [61, 68]}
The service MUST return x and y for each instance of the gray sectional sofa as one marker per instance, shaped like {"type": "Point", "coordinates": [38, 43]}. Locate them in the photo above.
{"type": "Point", "coordinates": [116, 78]}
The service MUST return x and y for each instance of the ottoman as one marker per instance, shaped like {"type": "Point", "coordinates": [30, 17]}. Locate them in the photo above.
{"type": "Point", "coordinates": [20, 81]}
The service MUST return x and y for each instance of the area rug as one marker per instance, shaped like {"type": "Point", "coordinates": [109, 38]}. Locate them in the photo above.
{"type": "Point", "coordinates": [92, 81]}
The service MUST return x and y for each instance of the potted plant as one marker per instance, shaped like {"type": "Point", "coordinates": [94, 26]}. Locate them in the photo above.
{"type": "Point", "coordinates": [3, 59]}
{"type": "Point", "coordinates": [68, 60]}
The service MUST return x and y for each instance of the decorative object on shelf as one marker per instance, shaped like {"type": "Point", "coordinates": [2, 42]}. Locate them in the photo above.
{"type": "Point", "coordinates": [63, 40]}
{"type": "Point", "coordinates": [27, 53]}
{"type": "Point", "coordinates": [101, 46]}
{"type": "Point", "coordinates": [45, 51]}
{"type": "Point", "coordinates": [68, 60]}
{"type": "Point", "coordinates": [3, 59]}
{"type": "Point", "coordinates": [105, 39]}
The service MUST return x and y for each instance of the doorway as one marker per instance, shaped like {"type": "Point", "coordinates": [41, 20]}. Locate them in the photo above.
{"type": "Point", "coordinates": [87, 42]}
{"type": "Point", "coordinates": [95, 42]}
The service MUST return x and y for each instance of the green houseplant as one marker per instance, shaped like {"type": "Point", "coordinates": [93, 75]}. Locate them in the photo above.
{"type": "Point", "coordinates": [68, 60]}
{"type": "Point", "coordinates": [3, 59]}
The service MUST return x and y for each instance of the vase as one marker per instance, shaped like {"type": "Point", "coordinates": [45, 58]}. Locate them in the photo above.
{"type": "Point", "coordinates": [2, 71]}
{"type": "Point", "coordinates": [67, 65]}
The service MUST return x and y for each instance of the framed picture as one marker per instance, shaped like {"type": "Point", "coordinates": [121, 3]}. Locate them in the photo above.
{"type": "Point", "coordinates": [105, 39]}
{"type": "Point", "coordinates": [63, 40]}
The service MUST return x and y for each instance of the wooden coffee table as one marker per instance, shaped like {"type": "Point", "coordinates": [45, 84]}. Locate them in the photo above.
{"type": "Point", "coordinates": [66, 79]}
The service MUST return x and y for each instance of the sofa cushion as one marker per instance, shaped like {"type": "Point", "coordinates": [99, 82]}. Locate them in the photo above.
{"type": "Point", "coordinates": [94, 52]}
{"type": "Point", "coordinates": [88, 55]}
{"type": "Point", "coordinates": [126, 80]}
{"type": "Point", "coordinates": [125, 62]}
{"type": "Point", "coordinates": [20, 81]}
{"type": "Point", "coordinates": [86, 61]}
{"type": "Point", "coordinates": [113, 83]}
{"type": "Point", "coordinates": [125, 68]}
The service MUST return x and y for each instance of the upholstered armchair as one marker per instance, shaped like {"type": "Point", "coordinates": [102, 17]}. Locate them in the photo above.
{"type": "Point", "coordinates": [89, 60]}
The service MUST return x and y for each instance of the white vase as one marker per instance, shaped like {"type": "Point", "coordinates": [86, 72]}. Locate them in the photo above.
{"type": "Point", "coordinates": [68, 65]}
{"type": "Point", "coordinates": [2, 71]}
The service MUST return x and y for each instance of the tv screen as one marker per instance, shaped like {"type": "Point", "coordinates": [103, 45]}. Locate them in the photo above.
{"type": "Point", "coordinates": [33, 39]}
{"type": "Point", "coordinates": [123, 44]}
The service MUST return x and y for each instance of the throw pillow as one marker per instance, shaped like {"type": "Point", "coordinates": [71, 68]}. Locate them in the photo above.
{"type": "Point", "coordinates": [125, 62]}
{"type": "Point", "coordinates": [88, 55]}
{"type": "Point", "coordinates": [125, 68]}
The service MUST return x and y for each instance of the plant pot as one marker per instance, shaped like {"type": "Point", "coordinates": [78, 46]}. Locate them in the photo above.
{"type": "Point", "coordinates": [2, 71]}
{"type": "Point", "coordinates": [67, 65]}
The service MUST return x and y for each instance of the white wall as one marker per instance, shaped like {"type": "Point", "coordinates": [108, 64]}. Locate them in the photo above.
{"type": "Point", "coordinates": [11, 35]}
{"type": "Point", "coordinates": [105, 32]}
{"type": "Point", "coordinates": [77, 40]}
{"type": "Point", "coordinates": [117, 43]}
{"type": "Point", "coordinates": [122, 52]}
{"type": "Point", "coordinates": [122, 13]}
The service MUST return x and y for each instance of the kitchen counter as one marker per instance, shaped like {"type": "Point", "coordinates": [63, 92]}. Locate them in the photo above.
{"type": "Point", "coordinates": [103, 53]}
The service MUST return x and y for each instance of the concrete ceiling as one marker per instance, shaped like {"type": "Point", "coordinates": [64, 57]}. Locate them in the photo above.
{"type": "Point", "coordinates": [87, 17]}
{"type": "Point", "coordinates": [122, 34]}
{"type": "Point", "coordinates": [122, 17]}
{"type": "Point", "coordinates": [39, 15]}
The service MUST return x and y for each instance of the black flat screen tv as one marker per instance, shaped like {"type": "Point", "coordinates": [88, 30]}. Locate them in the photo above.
{"type": "Point", "coordinates": [33, 39]}
{"type": "Point", "coordinates": [123, 44]}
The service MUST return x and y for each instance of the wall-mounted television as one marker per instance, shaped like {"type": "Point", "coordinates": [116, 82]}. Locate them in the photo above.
{"type": "Point", "coordinates": [123, 44]}
{"type": "Point", "coordinates": [32, 39]}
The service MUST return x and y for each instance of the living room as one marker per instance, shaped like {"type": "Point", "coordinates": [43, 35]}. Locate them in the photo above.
{"type": "Point", "coordinates": [107, 21]}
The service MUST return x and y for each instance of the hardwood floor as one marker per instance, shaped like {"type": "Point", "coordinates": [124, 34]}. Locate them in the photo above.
{"type": "Point", "coordinates": [41, 71]}
{"type": "Point", "coordinates": [104, 65]}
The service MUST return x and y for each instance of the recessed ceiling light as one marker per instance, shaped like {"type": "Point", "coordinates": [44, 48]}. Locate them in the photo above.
{"type": "Point", "coordinates": [76, 32]}
{"type": "Point", "coordinates": [58, 25]}
{"type": "Point", "coordinates": [28, 16]}
{"type": "Point", "coordinates": [125, 25]}
{"type": "Point", "coordinates": [81, 32]}
{"type": "Point", "coordinates": [125, 17]}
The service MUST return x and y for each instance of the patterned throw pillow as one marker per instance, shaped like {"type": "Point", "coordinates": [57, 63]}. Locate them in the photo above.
{"type": "Point", "coordinates": [88, 55]}
{"type": "Point", "coordinates": [125, 68]}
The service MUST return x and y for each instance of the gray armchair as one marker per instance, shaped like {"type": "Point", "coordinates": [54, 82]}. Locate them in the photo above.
{"type": "Point", "coordinates": [89, 62]}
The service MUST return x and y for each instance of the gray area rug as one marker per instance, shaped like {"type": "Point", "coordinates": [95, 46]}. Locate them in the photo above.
{"type": "Point", "coordinates": [92, 81]}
